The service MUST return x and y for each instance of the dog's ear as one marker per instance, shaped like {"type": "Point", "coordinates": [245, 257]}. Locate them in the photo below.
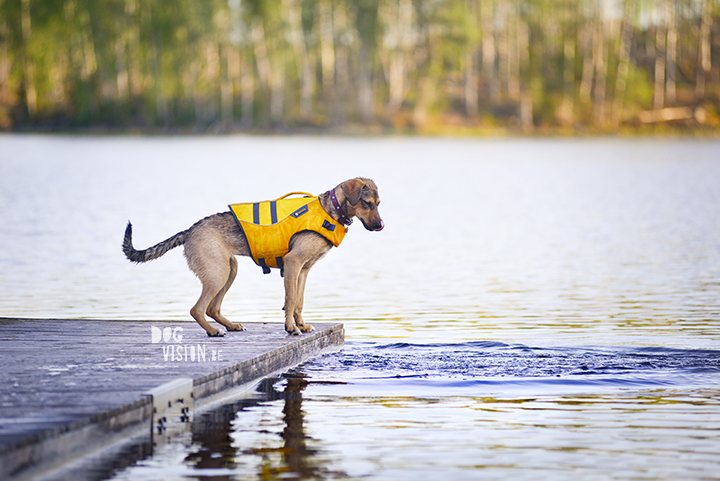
{"type": "Point", "coordinates": [353, 190]}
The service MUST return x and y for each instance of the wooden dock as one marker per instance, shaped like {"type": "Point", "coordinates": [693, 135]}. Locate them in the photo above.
{"type": "Point", "coordinates": [70, 387]}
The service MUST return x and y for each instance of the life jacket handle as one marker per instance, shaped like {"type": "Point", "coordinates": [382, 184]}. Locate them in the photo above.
{"type": "Point", "coordinates": [304, 194]}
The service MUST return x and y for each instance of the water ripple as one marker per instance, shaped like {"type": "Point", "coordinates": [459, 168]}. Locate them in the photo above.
{"type": "Point", "coordinates": [483, 363]}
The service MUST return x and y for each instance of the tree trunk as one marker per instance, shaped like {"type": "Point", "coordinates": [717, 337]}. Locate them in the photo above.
{"type": "Point", "coordinates": [303, 61]}
{"type": "Point", "coordinates": [263, 63]}
{"type": "Point", "coordinates": [89, 66]}
{"type": "Point", "coordinates": [214, 81]}
{"type": "Point", "coordinates": [471, 82]}
{"type": "Point", "coordinates": [365, 97]}
{"type": "Point", "coordinates": [514, 54]}
{"type": "Point", "coordinates": [6, 100]}
{"type": "Point", "coordinates": [247, 88]}
{"type": "Point", "coordinates": [503, 52]}
{"type": "Point", "coordinates": [135, 80]}
{"type": "Point", "coordinates": [121, 71]}
{"type": "Point", "coordinates": [193, 90]}
{"type": "Point", "coordinates": [28, 65]}
{"type": "Point", "coordinates": [565, 113]}
{"type": "Point", "coordinates": [471, 77]}
{"type": "Point", "coordinates": [489, 71]}
{"type": "Point", "coordinates": [586, 43]}
{"type": "Point", "coordinates": [399, 29]}
{"type": "Point", "coordinates": [226, 84]}
{"type": "Point", "coordinates": [624, 62]}
{"type": "Point", "coordinates": [277, 89]}
{"type": "Point", "coordinates": [671, 50]}
{"type": "Point", "coordinates": [427, 85]}
{"type": "Point", "coordinates": [161, 102]}
{"type": "Point", "coordinates": [342, 80]}
{"type": "Point", "coordinates": [396, 80]}
{"type": "Point", "coordinates": [327, 50]}
{"type": "Point", "coordinates": [600, 65]}
{"type": "Point", "coordinates": [704, 50]}
{"type": "Point", "coordinates": [659, 84]}
{"type": "Point", "coordinates": [526, 104]}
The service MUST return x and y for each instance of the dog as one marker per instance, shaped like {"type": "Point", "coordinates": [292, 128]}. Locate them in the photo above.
{"type": "Point", "coordinates": [212, 243]}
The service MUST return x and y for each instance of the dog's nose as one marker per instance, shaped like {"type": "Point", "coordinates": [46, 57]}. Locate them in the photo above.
{"type": "Point", "coordinates": [380, 226]}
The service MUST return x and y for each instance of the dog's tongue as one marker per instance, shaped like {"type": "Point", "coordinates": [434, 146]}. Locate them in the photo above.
{"type": "Point", "coordinates": [382, 226]}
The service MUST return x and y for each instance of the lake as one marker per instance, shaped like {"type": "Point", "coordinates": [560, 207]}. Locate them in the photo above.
{"type": "Point", "coordinates": [534, 308]}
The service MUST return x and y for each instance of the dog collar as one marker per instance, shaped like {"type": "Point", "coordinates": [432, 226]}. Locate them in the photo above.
{"type": "Point", "coordinates": [338, 208]}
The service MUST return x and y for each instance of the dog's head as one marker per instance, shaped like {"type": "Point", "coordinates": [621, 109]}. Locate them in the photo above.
{"type": "Point", "coordinates": [362, 202]}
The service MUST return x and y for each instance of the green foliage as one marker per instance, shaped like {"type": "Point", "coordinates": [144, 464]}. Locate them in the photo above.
{"type": "Point", "coordinates": [639, 89]}
{"type": "Point", "coordinates": [244, 64]}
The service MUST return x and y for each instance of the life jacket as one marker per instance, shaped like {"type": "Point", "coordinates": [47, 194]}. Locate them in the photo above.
{"type": "Point", "coordinates": [269, 225]}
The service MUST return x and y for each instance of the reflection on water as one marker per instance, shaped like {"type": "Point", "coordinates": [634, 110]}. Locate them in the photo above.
{"type": "Point", "coordinates": [465, 411]}
{"type": "Point", "coordinates": [533, 308]}
{"type": "Point", "coordinates": [261, 436]}
{"type": "Point", "coordinates": [234, 438]}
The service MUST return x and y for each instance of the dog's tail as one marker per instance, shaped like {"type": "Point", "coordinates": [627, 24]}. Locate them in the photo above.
{"type": "Point", "coordinates": [153, 252]}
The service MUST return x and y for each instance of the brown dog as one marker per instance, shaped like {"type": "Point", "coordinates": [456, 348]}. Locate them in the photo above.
{"type": "Point", "coordinates": [212, 244]}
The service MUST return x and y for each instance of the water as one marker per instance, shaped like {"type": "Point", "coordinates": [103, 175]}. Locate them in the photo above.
{"type": "Point", "coordinates": [534, 308]}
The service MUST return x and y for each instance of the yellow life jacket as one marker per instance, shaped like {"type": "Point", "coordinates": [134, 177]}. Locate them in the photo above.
{"type": "Point", "coordinates": [269, 225]}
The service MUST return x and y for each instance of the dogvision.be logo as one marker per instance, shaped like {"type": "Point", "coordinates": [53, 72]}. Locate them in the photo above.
{"type": "Point", "coordinates": [174, 350]}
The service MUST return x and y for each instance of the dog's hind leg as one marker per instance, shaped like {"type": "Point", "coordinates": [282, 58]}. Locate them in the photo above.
{"type": "Point", "coordinates": [213, 309]}
{"type": "Point", "coordinates": [210, 288]}
{"type": "Point", "coordinates": [213, 272]}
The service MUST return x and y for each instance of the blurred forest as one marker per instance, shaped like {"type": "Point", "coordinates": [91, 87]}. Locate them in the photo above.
{"type": "Point", "coordinates": [470, 66]}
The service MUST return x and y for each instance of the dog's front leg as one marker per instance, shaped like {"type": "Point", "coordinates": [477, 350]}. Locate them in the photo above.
{"type": "Point", "coordinates": [293, 265]}
{"type": "Point", "coordinates": [302, 279]}
{"type": "Point", "coordinates": [306, 248]}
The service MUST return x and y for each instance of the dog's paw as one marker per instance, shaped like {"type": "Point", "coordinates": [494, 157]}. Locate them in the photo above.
{"type": "Point", "coordinates": [307, 328]}
{"type": "Point", "coordinates": [238, 328]}
{"type": "Point", "coordinates": [293, 332]}
{"type": "Point", "coordinates": [217, 333]}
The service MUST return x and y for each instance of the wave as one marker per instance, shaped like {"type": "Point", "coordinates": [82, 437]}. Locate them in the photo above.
{"type": "Point", "coordinates": [484, 364]}
{"type": "Point", "coordinates": [421, 346]}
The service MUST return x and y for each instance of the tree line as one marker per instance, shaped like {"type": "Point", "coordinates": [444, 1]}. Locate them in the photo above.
{"type": "Point", "coordinates": [398, 64]}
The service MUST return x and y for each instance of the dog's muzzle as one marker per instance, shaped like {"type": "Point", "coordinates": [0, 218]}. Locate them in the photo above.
{"type": "Point", "coordinates": [377, 227]}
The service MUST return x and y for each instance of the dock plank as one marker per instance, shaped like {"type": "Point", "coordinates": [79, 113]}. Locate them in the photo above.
{"type": "Point", "coordinates": [88, 379]}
